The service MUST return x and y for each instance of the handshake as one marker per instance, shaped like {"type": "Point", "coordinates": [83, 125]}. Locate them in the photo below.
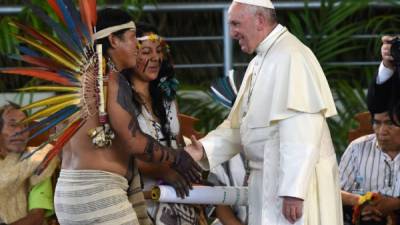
{"type": "Point", "coordinates": [185, 169]}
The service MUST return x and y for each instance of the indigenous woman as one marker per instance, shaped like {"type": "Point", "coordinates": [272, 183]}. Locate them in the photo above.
{"type": "Point", "coordinates": [154, 90]}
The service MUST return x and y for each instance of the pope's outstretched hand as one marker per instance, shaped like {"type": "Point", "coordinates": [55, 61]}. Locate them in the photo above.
{"type": "Point", "coordinates": [195, 149]}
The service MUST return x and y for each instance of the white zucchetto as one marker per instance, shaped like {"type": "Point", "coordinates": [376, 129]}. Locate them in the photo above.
{"type": "Point", "coordinates": [262, 3]}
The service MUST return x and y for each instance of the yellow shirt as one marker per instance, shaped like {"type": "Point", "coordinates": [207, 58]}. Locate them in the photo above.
{"type": "Point", "coordinates": [17, 179]}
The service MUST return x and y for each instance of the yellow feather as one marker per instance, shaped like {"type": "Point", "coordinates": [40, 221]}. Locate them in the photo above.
{"type": "Point", "coordinates": [51, 101]}
{"type": "Point", "coordinates": [56, 56]}
{"type": "Point", "coordinates": [50, 88]}
{"type": "Point", "coordinates": [50, 110]}
{"type": "Point", "coordinates": [71, 54]}
{"type": "Point", "coordinates": [62, 47]}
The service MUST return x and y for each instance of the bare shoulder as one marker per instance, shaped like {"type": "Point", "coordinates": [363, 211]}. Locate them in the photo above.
{"type": "Point", "coordinates": [113, 80]}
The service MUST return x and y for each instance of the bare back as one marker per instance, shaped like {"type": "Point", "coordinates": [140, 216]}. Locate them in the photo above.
{"type": "Point", "coordinates": [81, 154]}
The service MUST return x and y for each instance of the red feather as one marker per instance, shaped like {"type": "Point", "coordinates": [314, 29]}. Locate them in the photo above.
{"type": "Point", "coordinates": [31, 31]}
{"type": "Point", "coordinates": [57, 10]}
{"type": "Point", "coordinates": [43, 62]}
{"type": "Point", "coordinates": [62, 140]}
{"type": "Point", "coordinates": [88, 13]}
{"type": "Point", "coordinates": [38, 73]}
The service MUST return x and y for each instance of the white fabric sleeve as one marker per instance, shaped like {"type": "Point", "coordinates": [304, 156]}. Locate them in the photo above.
{"type": "Point", "coordinates": [220, 145]}
{"type": "Point", "coordinates": [384, 74]}
{"type": "Point", "coordinates": [300, 138]}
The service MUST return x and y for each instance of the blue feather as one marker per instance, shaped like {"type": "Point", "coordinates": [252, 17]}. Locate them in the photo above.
{"type": "Point", "coordinates": [77, 18]}
{"type": "Point", "coordinates": [44, 121]}
{"type": "Point", "coordinates": [66, 113]}
{"type": "Point", "coordinates": [59, 30]}
{"type": "Point", "coordinates": [70, 22]}
{"type": "Point", "coordinates": [67, 75]}
{"type": "Point", "coordinates": [27, 51]}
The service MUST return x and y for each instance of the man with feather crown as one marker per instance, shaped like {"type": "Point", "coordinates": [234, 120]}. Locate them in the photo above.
{"type": "Point", "coordinates": [100, 139]}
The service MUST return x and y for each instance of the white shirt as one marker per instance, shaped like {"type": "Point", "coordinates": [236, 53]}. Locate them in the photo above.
{"type": "Point", "coordinates": [384, 74]}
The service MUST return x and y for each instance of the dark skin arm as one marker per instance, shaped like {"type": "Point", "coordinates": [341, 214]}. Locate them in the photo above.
{"type": "Point", "coordinates": [122, 118]}
{"type": "Point", "coordinates": [34, 217]}
{"type": "Point", "coordinates": [388, 204]}
{"type": "Point", "coordinates": [164, 172]}
{"type": "Point", "coordinates": [226, 216]}
{"type": "Point", "coordinates": [380, 209]}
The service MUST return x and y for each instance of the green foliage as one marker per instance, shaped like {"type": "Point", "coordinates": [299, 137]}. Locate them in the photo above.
{"type": "Point", "coordinates": [201, 105]}
{"type": "Point", "coordinates": [139, 4]}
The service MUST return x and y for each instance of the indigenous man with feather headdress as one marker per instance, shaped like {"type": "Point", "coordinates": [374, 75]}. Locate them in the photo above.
{"type": "Point", "coordinates": [101, 137]}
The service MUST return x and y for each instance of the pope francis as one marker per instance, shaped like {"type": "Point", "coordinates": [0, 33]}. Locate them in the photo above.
{"type": "Point", "coordinates": [279, 120]}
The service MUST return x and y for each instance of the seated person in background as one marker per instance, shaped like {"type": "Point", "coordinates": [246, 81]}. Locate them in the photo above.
{"type": "Point", "coordinates": [230, 173]}
{"type": "Point", "coordinates": [372, 164]}
{"type": "Point", "coordinates": [24, 197]}
{"type": "Point", "coordinates": [386, 86]}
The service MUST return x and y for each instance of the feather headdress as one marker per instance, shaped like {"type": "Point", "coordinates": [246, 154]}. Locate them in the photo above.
{"type": "Point", "coordinates": [67, 58]}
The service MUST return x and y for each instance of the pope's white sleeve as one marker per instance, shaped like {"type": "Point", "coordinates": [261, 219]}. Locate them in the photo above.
{"type": "Point", "coordinates": [300, 138]}
{"type": "Point", "coordinates": [220, 145]}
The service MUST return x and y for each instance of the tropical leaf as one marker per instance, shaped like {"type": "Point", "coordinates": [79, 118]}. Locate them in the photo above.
{"type": "Point", "coordinates": [201, 105]}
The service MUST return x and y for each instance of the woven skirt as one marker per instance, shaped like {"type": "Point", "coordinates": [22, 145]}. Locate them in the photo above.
{"type": "Point", "coordinates": [86, 197]}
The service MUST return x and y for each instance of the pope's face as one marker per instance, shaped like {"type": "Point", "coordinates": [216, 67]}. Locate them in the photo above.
{"type": "Point", "coordinates": [243, 26]}
{"type": "Point", "coordinates": [9, 141]}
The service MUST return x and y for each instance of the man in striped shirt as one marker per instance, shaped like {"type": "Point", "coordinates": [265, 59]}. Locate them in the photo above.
{"type": "Point", "coordinates": [375, 161]}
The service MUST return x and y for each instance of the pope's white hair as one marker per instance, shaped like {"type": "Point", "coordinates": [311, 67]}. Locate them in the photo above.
{"type": "Point", "coordinates": [269, 14]}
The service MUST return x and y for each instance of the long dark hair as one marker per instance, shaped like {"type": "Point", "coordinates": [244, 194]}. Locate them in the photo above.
{"type": "Point", "coordinates": [158, 96]}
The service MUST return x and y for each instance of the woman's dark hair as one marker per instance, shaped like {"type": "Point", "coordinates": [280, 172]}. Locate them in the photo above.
{"type": "Point", "coordinates": [158, 96]}
{"type": "Point", "coordinates": [109, 17]}
{"type": "Point", "coordinates": [142, 28]}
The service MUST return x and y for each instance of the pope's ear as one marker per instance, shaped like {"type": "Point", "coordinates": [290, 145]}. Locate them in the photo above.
{"type": "Point", "coordinates": [261, 21]}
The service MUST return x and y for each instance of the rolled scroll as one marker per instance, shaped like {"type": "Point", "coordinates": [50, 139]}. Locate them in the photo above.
{"type": "Point", "coordinates": [217, 195]}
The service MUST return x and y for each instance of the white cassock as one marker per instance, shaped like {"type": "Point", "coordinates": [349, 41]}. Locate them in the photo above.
{"type": "Point", "coordinates": [279, 119]}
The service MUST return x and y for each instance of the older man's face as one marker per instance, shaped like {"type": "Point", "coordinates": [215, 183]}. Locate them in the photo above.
{"type": "Point", "coordinates": [243, 27]}
{"type": "Point", "coordinates": [387, 134]}
{"type": "Point", "coordinates": [10, 142]}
